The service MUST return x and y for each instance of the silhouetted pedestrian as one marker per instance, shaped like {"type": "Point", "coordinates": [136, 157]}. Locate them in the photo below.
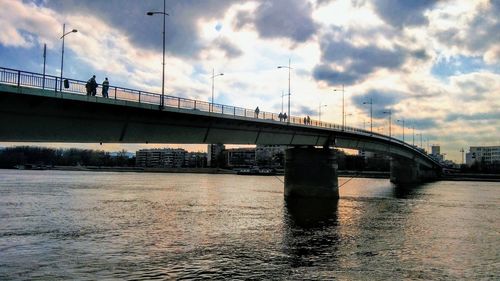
{"type": "Point", "coordinates": [284, 117]}
{"type": "Point", "coordinates": [280, 116]}
{"type": "Point", "coordinates": [305, 120]}
{"type": "Point", "coordinates": [105, 88]}
{"type": "Point", "coordinates": [257, 110]}
{"type": "Point", "coordinates": [308, 120]}
{"type": "Point", "coordinates": [92, 86]}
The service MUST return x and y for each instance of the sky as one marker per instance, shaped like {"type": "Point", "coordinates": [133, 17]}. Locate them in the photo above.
{"type": "Point", "coordinates": [433, 64]}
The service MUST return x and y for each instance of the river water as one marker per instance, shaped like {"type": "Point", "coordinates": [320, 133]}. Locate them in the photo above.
{"type": "Point", "coordinates": [88, 225]}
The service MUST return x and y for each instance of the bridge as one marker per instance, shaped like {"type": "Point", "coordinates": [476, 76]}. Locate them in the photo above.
{"type": "Point", "coordinates": [42, 108]}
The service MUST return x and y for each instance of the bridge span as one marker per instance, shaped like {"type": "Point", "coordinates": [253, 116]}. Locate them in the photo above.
{"type": "Point", "coordinates": [33, 109]}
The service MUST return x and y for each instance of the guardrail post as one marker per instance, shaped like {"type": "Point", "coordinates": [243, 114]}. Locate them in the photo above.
{"type": "Point", "coordinates": [178, 102]}
{"type": "Point", "coordinates": [18, 78]}
{"type": "Point", "coordinates": [115, 92]}
{"type": "Point", "coordinates": [234, 111]}
{"type": "Point", "coordinates": [55, 86]}
{"type": "Point", "coordinates": [139, 96]}
{"type": "Point", "coordinates": [195, 104]}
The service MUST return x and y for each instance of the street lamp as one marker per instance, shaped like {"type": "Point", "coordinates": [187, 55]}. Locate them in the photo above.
{"type": "Point", "coordinates": [162, 102]}
{"type": "Point", "coordinates": [390, 121]}
{"type": "Point", "coordinates": [289, 70]}
{"type": "Point", "coordinates": [413, 127]}
{"type": "Point", "coordinates": [319, 114]}
{"type": "Point", "coordinates": [62, 52]}
{"type": "Point", "coordinates": [402, 121]}
{"type": "Point", "coordinates": [371, 113]}
{"type": "Point", "coordinates": [213, 78]}
{"type": "Point", "coordinates": [343, 114]}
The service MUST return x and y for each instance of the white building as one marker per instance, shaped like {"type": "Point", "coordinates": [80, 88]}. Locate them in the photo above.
{"type": "Point", "coordinates": [165, 158]}
{"type": "Point", "coordinates": [483, 154]}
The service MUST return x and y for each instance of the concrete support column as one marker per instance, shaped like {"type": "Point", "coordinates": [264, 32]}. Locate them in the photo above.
{"type": "Point", "coordinates": [311, 173]}
{"type": "Point", "coordinates": [404, 171]}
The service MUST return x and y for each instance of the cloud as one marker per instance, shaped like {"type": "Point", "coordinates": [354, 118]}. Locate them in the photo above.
{"type": "Point", "coordinates": [19, 28]}
{"type": "Point", "coordinates": [382, 100]}
{"type": "Point", "coordinates": [230, 50]}
{"type": "Point", "coordinates": [291, 19]}
{"type": "Point", "coordinates": [421, 123]}
{"type": "Point", "coordinates": [401, 13]}
{"type": "Point", "coordinates": [182, 30]}
{"type": "Point", "coordinates": [308, 111]}
{"type": "Point", "coordinates": [471, 32]}
{"type": "Point", "coordinates": [355, 63]}
{"type": "Point", "coordinates": [494, 115]}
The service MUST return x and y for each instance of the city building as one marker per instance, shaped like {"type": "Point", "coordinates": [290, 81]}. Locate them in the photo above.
{"type": "Point", "coordinates": [436, 153]}
{"type": "Point", "coordinates": [240, 157]}
{"type": "Point", "coordinates": [161, 158]}
{"type": "Point", "coordinates": [215, 155]}
{"type": "Point", "coordinates": [196, 160]}
{"type": "Point", "coordinates": [483, 154]}
{"type": "Point", "coordinates": [270, 155]}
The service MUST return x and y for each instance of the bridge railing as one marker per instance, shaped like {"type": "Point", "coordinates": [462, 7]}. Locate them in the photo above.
{"type": "Point", "coordinates": [49, 82]}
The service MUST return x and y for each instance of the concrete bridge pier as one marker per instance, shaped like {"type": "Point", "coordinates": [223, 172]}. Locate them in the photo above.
{"type": "Point", "coordinates": [311, 173]}
{"type": "Point", "coordinates": [408, 171]}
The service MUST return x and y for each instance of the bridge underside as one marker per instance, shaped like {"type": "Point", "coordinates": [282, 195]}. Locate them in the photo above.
{"type": "Point", "coordinates": [36, 118]}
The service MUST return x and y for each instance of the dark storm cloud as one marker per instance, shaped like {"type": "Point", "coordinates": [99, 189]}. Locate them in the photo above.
{"type": "Point", "coordinates": [290, 19]}
{"type": "Point", "coordinates": [357, 62]}
{"type": "Point", "coordinates": [400, 13]}
{"type": "Point", "coordinates": [182, 36]}
{"type": "Point", "coordinates": [381, 101]}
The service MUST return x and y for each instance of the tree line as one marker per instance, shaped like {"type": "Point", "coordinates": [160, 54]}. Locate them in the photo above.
{"type": "Point", "coordinates": [43, 156]}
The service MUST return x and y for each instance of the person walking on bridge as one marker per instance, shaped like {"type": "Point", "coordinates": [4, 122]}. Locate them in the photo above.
{"type": "Point", "coordinates": [105, 88]}
{"type": "Point", "coordinates": [91, 86]}
{"type": "Point", "coordinates": [257, 110]}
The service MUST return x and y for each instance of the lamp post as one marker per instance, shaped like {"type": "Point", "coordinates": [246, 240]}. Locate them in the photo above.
{"type": "Point", "coordinates": [162, 102]}
{"type": "Point", "coordinates": [371, 113]}
{"type": "Point", "coordinates": [343, 114]}
{"type": "Point", "coordinates": [62, 52]}
{"type": "Point", "coordinates": [282, 95]}
{"type": "Point", "coordinates": [319, 111]}
{"type": "Point", "coordinates": [402, 121]}
{"type": "Point", "coordinates": [213, 78]}
{"type": "Point", "coordinates": [413, 127]}
{"type": "Point", "coordinates": [390, 121]}
{"type": "Point", "coordinates": [44, 61]}
{"type": "Point", "coordinates": [289, 70]}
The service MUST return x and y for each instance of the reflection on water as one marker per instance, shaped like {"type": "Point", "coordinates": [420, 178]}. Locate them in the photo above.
{"type": "Point", "coordinates": [310, 212]}
{"type": "Point", "coordinates": [81, 225]}
{"type": "Point", "coordinates": [310, 231]}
